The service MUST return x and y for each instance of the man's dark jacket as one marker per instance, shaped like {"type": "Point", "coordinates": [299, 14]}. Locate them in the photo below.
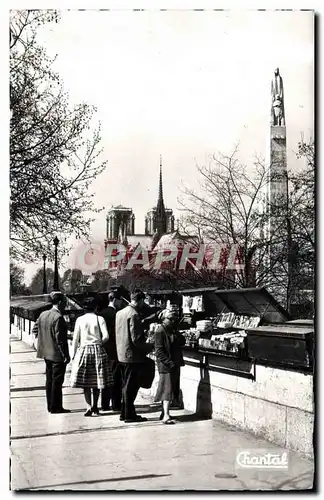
{"type": "Point", "coordinates": [130, 338]}
{"type": "Point", "coordinates": [51, 331]}
{"type": "Point", "coordinates": [109, 315]}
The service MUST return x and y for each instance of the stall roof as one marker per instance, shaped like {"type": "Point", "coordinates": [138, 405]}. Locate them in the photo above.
{"type": "Point", "coordinates": [290, 331]}
{"type": "Point", "coordinates": [31, 305]}
{"type": "Point", "coordinates": [38, 303]}
{"type": "Point", "coordinates": [302, 322]}
{"type": "Point", "coordinates": [241, 301]}
{"type": "Point", "coordinates": [29, 299]}
{"type": "Point", "coordinates": [254, 302]}
{"type": "Point", "coordinates": [214, 303]}
{"type": "Point", "coordinates": [30, 309]}
{"type": "Point", "coordinates": [187, 291]}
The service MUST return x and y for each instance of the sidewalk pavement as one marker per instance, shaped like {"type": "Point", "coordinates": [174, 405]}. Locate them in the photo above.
{"type": "Point", "coordinates": [72, 452]}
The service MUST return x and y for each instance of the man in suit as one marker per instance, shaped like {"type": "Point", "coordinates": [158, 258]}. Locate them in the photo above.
{"type": "Point", "coordinates": [115, 393]}
{"type": "Point", "coordinates": [131, 351]}
{"type": "Point", "coordinates": [51, 332]}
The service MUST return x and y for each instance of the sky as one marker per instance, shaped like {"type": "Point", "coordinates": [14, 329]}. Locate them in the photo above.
{"type": "Point", "coordinates": [184, 84]}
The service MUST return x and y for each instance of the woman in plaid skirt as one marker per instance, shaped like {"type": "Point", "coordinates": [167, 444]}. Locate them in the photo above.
{"type": "Point", "coordinates": [91, 369]}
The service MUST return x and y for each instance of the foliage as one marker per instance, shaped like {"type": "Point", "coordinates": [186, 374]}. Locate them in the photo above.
{"type": "Point", "coordinates": [303, 196]}
{"type": "Point", "coordinates": [187, 279]}
{"type": "Point", "coordinates": [293, 273]}
{"type": "Point", "coordinates": [17, 283]}
{"type": "Point", "coordinates": [102, 281]}
{"type": "Point", "coordinates": [36, 285]}
{"type": "Point", "coordinates": [54, 156]}
{"type": "Point", "coordinates": [72, 281]}
{"type": "Point", "coordinates": [163, 279]}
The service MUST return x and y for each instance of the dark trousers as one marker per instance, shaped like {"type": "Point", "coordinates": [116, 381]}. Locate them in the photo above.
{"type": "Point", "coordinates": [177, 400]}
{"type": "Point", "coordinates": [55, 373]}
{"type": "Point", "coordinates": [175, 382]}
{"type": "Point", "coordinates": [130, 389]}
{"type": "Point", "coordinates": [113, 393]}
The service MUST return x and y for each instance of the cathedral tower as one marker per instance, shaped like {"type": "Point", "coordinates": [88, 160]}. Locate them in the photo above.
{"type": "Point", "coordinates": [159, 219]}
{"type": "Point", "coordinates": [119, 220]}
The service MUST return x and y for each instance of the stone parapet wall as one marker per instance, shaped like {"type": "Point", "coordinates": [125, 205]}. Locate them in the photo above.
{"type": "Point", "coordinates": [278, 405]}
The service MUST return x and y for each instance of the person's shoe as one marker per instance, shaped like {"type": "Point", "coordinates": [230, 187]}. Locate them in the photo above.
{"type": "Point", "coordinates": [95, 410]}
{"type": "Point", "coordinates": [61, 410]}
{"type": "Point", "coordinates": [169, 421]}
{"type": "Point", "coordinates": [138, 418]}
{"type": "Point", "coordinates": [122, 418]}
{"type": "Point", "coordinates": [161, 417]}
{"type": "Point", "coordinates": [88, 413]}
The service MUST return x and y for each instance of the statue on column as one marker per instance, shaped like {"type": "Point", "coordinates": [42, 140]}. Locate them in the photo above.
{"type": "Point", "coordinates": [122, 233]}
{"type": "Point", "coordinates": [277, 100]}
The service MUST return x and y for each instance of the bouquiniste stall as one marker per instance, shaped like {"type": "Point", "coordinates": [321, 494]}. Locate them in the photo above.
{"type": "Point", "coordinates": [247, 362]}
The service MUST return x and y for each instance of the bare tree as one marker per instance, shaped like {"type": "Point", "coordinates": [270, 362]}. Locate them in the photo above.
{"type": "Point", "coordinates": [54, 156]}
{"type": "Point", "coordinates": [229, 209]}
{"type": "Point", "coordinates": [304, 195]}
{"type": "Point", "coordinates": [302, 215]}
{"type": "Point", "coordinates": [292, 273]}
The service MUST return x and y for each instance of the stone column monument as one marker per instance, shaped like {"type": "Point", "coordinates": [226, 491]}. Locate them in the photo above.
{"type": "Point", "coordinates": [276, 152]}
{"type": "Point", "coordinates": [276, 193]}
{"type": "Point", "coordinates": [278, 145]}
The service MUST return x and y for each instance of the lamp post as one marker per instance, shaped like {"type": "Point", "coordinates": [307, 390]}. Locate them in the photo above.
{"type": "Point", "coordinates": [44, 275]}
{"type": "Point", "coordinates": [56, 276]}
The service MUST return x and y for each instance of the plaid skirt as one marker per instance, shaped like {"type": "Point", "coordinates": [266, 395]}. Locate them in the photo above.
{"type": "Point", "coordinates": [91, 368]}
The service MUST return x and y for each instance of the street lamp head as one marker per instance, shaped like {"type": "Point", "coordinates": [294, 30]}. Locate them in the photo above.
{"type": "Point", "coordinates": [56, 241]}
{"type": "Point", "coordinates": [44, 257]}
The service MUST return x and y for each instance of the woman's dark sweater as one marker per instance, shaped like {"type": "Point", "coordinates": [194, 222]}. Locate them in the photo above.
{"type": "Point", "coordinates": [168, 350]}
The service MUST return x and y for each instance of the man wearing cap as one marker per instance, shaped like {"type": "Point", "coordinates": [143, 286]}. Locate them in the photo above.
{"type": "Point", "coordinates": [52, 346]}
{"type": "Point", "coordinates": [131, 351]}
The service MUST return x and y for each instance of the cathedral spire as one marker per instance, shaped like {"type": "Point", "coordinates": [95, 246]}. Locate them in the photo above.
{"type": "Point", "coordinates": [160, 209]}
{"type": "Point", "coordinates": [160, 198]}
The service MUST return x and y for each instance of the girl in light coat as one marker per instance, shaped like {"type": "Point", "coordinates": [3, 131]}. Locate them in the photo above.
{"type": "Point", "coordinates": [91, 369]}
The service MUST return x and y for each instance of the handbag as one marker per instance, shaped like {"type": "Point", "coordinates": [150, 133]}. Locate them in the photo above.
{"type": "Point", "coordinates": [146, 373]}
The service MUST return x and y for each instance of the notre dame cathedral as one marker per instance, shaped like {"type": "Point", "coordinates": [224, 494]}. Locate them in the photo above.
{"type": "Point", "coordinates": [159, 220]}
